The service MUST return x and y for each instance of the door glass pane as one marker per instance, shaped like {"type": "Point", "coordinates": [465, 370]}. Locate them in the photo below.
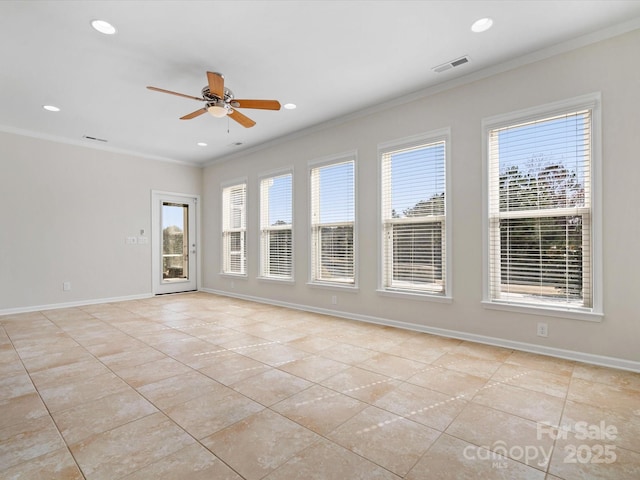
{"type": "Point", "coordinates": [175, 242]}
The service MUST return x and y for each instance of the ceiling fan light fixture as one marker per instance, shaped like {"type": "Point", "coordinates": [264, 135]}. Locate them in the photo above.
{"type": "Point", "coordinates": [218, 109]}
{"type": "Point", "coordinates": [220, 102]}
{"type": "Point", "coordinates": [103, 26]}
{"type": "Point", "coordinates": [290, 106]}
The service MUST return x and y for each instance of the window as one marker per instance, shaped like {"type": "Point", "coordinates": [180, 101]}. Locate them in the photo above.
{"type": "Point", "coordinates": [541, 210]}
{"type": "Point", "coordinates": [332, 222]}
{"type": "Point", "coordinates": [414, 226]}
{"type": "Point", "coordinates": [276, 239]}
{"type": "Point", "coordinates": [234, 229]}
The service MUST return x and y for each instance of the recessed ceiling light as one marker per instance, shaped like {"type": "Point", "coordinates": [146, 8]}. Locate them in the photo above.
{"type": "Point", "coordinates": [290, 106]}
{"type": "Point", "coordinates": [51, 108]}
{"type": "Point", "coordinates": [103, 27]}
{"type": "Point", "coordinates": [481, 25]}
{"type": "Point", "coordinates": [202, 144]}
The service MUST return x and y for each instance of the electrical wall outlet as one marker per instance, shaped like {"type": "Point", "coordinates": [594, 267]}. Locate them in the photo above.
{"type": "Point", "coordinates": [66, 286]}
{"type": "Point", "coordinates": [334, 299]}
{"type": "Point", "coordinates": [543, 330]}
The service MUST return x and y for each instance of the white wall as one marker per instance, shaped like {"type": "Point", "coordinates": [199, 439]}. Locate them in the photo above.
{"type": "Point", "coordinates": [65, 212]}
{"type": "Point", "coordinates": [604, 67]}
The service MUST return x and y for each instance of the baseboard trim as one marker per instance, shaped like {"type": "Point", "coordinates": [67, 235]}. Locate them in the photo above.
{"type": "Point", "coordinates": [600, 360]}
{"type": "Point", "coordinates": [79, 303]}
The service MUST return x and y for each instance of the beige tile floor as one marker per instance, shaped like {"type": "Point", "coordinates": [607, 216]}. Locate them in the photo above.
{"type": "Point", "coordinates": [197, 386]}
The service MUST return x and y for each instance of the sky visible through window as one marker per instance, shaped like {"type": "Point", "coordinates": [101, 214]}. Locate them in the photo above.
{"type": "Point", "coordinates": [172, 216]}
{"type": "Point", "coordinates": [280, 200]}
{"type": "Point", "coordinates": [534, 146]}
{"type": "Point", "coordinates": [409, 170]}
{"type": "Point", "coordinates": [337, 186]}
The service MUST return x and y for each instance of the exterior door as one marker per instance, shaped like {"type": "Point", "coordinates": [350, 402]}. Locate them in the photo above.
{"type": "Point", "coordinates": [174, 243]}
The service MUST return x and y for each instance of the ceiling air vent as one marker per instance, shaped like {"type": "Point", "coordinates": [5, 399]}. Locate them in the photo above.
{"type": "Point", "coordinates": [95, 139]}
{"type": "Point", "coordinates": [453, 63]}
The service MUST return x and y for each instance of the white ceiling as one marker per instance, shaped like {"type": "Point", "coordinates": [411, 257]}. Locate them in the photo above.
{"type": "Point", "coordinates": [331, 58]}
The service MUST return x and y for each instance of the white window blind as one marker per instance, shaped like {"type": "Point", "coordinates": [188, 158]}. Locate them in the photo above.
{"type": "Point", "coordinates": [413, 218]}
{"type": "Point", "coordinates": [276, 227]}
{"type": "Point", "coordinates": [332, 223]}
{"type": "Point", "coordinates": [540, 211]}
{"type": "Point", "coordinates": [234, 225]}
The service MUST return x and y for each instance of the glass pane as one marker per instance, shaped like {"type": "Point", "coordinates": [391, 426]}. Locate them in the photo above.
{"type": "Point", "coordinates": [417, 255]}
{"type": "Point", "coordinates": [233, 228]}
{"type": "Point", "coordinates": [175, 242]}
{"type": "Point", "coordinates": [544, 164]}
{"type": "Point", "coordinates": [332, 219]}
{"type": "Point", "coordinates": [275, 224]}
{"type": "Point", "coordinates": [417, 181]}
{"type": "Point", "coordinates": [237, 207]}
{"type": "Point", "coordinates": [336, 193]}
{"type": "Point", "coordinates": [279, 253]}
{"type": "Point", "coordinates": [279, 195]}
{"type": "Point", "coordinates": [336, 253]}
{"type": "Point", "coordinates": [542, 257]}
{"type": "Point", "coordinates": [235, 247]}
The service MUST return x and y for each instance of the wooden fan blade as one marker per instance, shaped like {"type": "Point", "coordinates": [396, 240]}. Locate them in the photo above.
{"type": "Point", "coordinates": [162, 90]}
{"type": "Point", "coordinates": [216, 84]}
{"type": "Point", "coordinates": [191, 115]}
{"type": "Point", "coordinates": [241, 119]}
{"type": "Point", "coordinates": [262, 104]}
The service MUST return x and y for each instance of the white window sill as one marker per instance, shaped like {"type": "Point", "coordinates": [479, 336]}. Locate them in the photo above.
{"type": "Point", "coordinates": [241, 276]}
{"type": "Point", "coordinates": [425, 297]}
{"type": "Point", "coordinates": [334, 286]}
{"type": "Point", "coordinates": [547, 311]}
{"type": "Point", "coordinates": [286, 281]}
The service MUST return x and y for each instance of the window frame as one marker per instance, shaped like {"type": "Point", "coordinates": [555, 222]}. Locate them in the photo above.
{"type": "Point", "coordinates": [226, 254]}
{"type": "Point", "coordinates": [384, 286]}
{"type": "Point", "coordinates": [350, 156]}
{"type": "Point", "coordinates": [594, 313]}
{"type": "Point", "coordinates": [263, 246]}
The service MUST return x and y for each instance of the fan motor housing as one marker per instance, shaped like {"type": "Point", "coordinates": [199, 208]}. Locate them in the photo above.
{"type": "Point", "coordinates": [206, 93]}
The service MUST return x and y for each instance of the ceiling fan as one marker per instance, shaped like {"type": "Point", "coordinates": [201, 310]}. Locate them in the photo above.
{"type": "Point", "coordinates": [220, 101]}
